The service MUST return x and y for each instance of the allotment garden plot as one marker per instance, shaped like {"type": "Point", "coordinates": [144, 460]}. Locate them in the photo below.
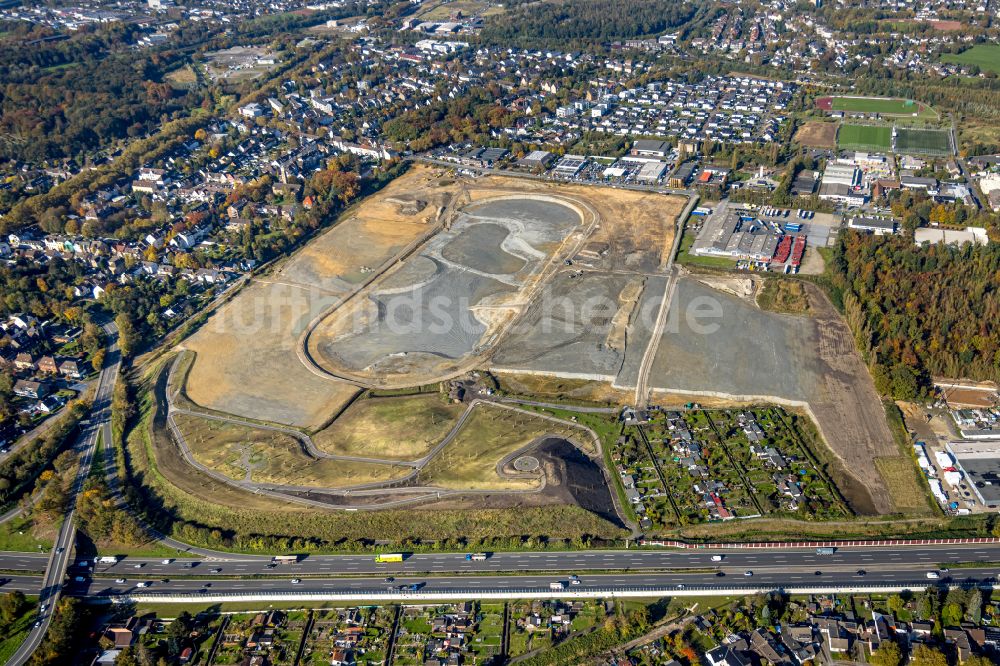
{"type": "Point", "coordinates": [694, 466]}
{"type": "Point", "coordinates": [742, 352]}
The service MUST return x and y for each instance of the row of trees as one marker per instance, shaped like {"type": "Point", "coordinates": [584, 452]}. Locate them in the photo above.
{"type": "Point", "coordinates": [20, 470]}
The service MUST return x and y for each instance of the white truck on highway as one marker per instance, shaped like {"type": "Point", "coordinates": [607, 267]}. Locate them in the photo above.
{"type": "Point", "coordinates": [557, 586]}
{"type": "Point", "coordinates": [106, 559]}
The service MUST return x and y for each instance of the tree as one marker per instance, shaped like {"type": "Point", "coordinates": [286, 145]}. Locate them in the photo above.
{"type": "Point", "coordinates": [951, 615]}
{"type": "Point", "coordinates": [924, 655]}
{"type": "Point", "coordinates": [974, 606]}
{"type": "Point", "coordinates": [888, 654]}
{"type": "Point", "coordinates": [127, 336]}
{"type": "Point", "coordinates": [976, 660]}
{"type": "Point", "coordinates": [12, 605]}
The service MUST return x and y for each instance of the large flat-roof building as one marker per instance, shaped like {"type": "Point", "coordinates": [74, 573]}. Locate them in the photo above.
{"type": "Point", "coordinates": [536, 159]}
{"type": "Point", "coordinates": [736, 233]}
{"type": "Point", "coordinates": [570, 165]}
{"type": "Point", "coordinates": [980, 463]}
{"type": "Point", "coordinates": [651, 172]}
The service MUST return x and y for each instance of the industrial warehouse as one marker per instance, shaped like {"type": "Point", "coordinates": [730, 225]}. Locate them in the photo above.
{"type": "Point", "coordinates": [768, 238]}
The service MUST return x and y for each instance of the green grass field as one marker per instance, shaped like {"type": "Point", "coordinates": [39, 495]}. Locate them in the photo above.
{"type": "Point", "coordinates": [986, 56]}
{"type": "Point", "coordinates": [864, 137]}
{"type": "Point", "coordinates": [884, 106]}
{"type": "Point", "coordinates": [933, 142]}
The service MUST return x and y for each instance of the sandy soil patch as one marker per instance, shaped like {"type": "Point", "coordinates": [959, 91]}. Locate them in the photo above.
{"type": "Point", "coordinates": [967, 394]}
{"type": "Point", "coordinates": [817, 134]}
{"type": "Point", "coordinates": [246, 362]}
{"type": "Point", "coordinates": [636, 230]}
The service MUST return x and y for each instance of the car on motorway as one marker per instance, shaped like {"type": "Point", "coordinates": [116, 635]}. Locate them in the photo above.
{"type": "Point", "coordinates": [296, 581]}
{"type": "Point", "coordinates": [80, 579]}
{"type": "Point", "coordinates": [817, 573]}
{"type": "Point", "coordinates": [202, 591]}
{"type": "Point", "coordinates": [747, 573]}
{"type": "Point", "coordinates": [120, 580]}
{"type": "Point", "coordinates": [720, 574]}
{"type": "Point", "coordinates": [861, 572]}
{"type": "Point", "coordinates": [272, 565]}
{"type": "Point", "coordinates": [574, 580]}
{"type": "Point", "coordinates": [143, 584]}
{"type": "Point", "coordinates": [933, 575]}
{"type": "Point", "coordinates": [38, 623]}
{"type": "Point", "coordinates": [718, 558]}
{"type": "Point", "coordinates": [216, 570]}
{"type": "Point", "coordinates": [389, 579]}
{"type": "Point", "coordinates": [60, 549]}
{"type": "Point", "coordinates": [166, 561]}
{"type": "Point", "coordinates": [138, 565]}
{"type": "Point", "coordinates": [680, 586]}
{"type": "Point", "coordinates": [944, 570]}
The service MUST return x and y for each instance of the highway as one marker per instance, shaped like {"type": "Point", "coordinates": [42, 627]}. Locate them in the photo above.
{"type": "Point", "coordinates": [466, 586]}
{"type": "Point", "coordinates": [50, 587]}
{"type": "Point", "coordinates": [632, 561]}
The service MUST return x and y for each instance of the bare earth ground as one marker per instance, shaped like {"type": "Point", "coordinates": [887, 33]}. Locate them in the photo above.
{"type": "Point", "coordinates": [636, 230]}
{"type": "Point", "coordinates": [817, 135]}
{"type": "Point", "coordinates": [399, 428]}
{"type": "Point", "coordinates": [965, 394]}
{"type": "Point", "coordinates": [247, 364]}
{"type": "Point", "coordinates": [751, 353]}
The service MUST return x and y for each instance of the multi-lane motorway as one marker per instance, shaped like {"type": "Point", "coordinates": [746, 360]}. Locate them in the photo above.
{"type": "Point", "coordinates": [630, 561]}
{"type": "Point", "coordinates": [725, 576]}
{"type": "Point", "coordinates": [443, 572]}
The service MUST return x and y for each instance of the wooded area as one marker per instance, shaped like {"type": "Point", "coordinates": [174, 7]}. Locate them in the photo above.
{"type": "Point", "coordinates": [918, 312]}
{"type": "Point", "coordinates": [572, 24]}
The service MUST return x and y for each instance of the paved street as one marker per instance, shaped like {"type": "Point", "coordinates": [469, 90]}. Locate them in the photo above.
{"type": "Point", "coordinates": [50, 585]}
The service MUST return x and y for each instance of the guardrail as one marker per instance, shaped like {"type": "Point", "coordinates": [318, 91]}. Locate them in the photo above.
{"type": "Point", "coordinates": [858, 543]}
{"type": "Point", "coordinates": [637, 591]}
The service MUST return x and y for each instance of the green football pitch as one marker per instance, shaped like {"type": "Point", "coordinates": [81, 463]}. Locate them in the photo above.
{"type": "Point", "coordinates": [864, 137]}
